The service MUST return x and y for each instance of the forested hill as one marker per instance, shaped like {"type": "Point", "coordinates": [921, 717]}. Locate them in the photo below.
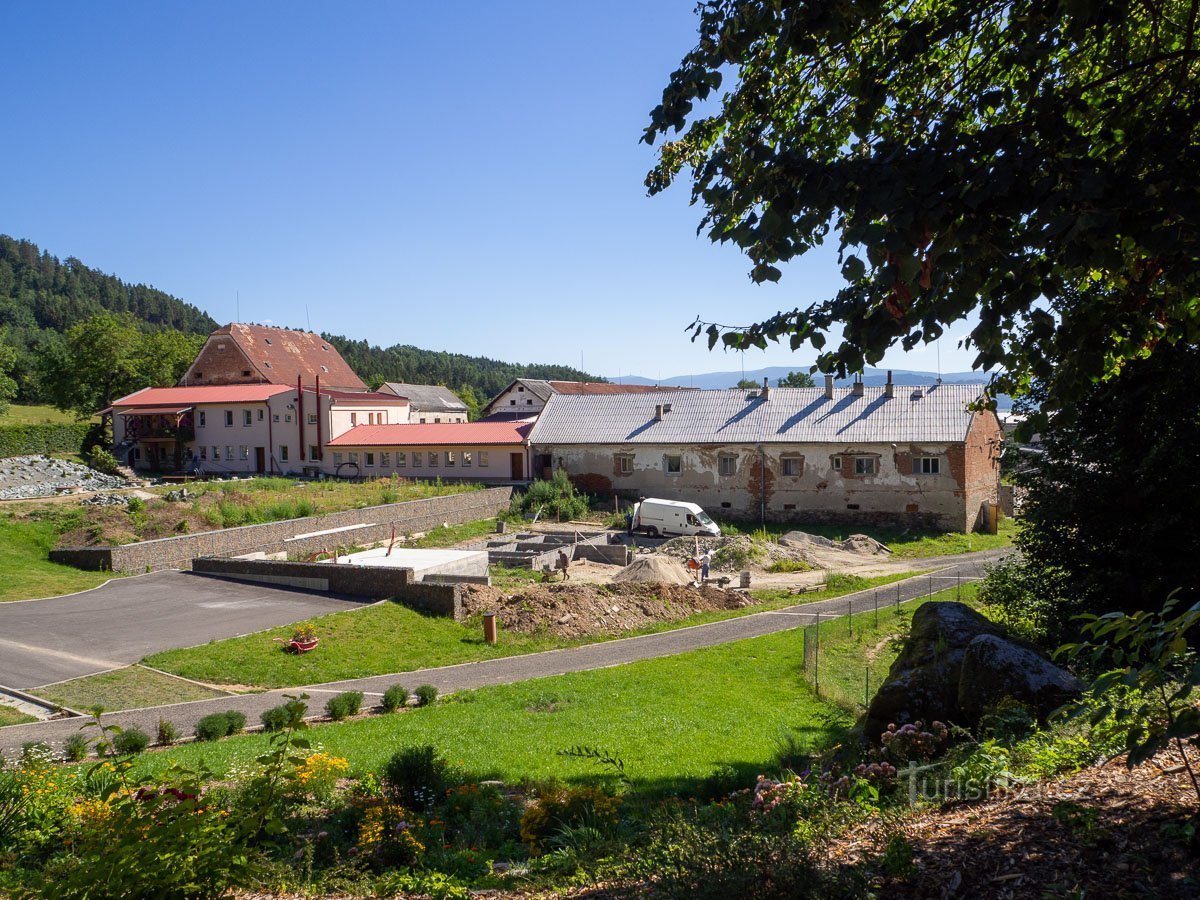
{"type": "Point", "coordinates": [41, 297]}
{"type": "Point", "coordinates": [486, 377]}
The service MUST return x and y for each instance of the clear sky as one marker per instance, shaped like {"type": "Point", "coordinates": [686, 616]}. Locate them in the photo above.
{"type": "Point", "coordinates": [462, 177]}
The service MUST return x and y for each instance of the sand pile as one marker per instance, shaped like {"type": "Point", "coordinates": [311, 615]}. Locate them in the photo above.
{"type": "Point", "coordinates": [861, 544]}
{"type": "Point", "coordinates": [653, 569]}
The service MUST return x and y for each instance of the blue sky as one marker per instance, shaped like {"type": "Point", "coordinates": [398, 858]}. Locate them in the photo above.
{"type": "Point", "coordinates": [462, 177]}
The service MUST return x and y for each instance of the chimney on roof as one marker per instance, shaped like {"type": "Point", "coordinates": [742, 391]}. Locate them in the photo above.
{"type": "Point", "coordinates": [658, 412]}
{"type": "Point", "coordinates": [889, 389]}
{"type": "Point", "coordinates": [828, 387]}
{"type": "Point", "coordinates": [766, 391]}
{"type": "Point", "coordinates": [858, 386]}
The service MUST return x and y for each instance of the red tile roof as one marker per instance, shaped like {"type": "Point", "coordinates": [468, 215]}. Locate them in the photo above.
{"type": "Point", "coordinates": [205, 393]}
{"type": "Point", "coordinates": [280, 355]}
{"type": "Point", "coordinates": [445, 434]}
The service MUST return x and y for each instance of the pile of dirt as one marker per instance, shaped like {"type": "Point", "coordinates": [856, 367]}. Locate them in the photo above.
{"type": "Point", "coordinates": [733, 553]}
{"type": "Point", "coordinates": [862, 544]}
{"type": "Point", "coordinates": [653, 569]}
{"type": "Point", "coordinates": [573, 610]}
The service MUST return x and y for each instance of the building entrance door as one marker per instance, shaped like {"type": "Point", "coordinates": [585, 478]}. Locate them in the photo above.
{"type": "Point", "coordinates": [518, 466]}
{"type": "Point", "coordinates": [260, 460]}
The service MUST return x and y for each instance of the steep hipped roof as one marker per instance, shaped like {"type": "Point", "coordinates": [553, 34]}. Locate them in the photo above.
{"type": "Point", "coordinates": [427, 397]}
{"type": "Point", "coordinates": [445, 434]}
{"type": "Point", "coordinates": [937, 413]}
{"type": "Point", "coordinates": [280, 355]}
{"type": "Point", "coordinates": [201, 394]}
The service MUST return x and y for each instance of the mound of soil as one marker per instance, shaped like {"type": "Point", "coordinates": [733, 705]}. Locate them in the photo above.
{"type": "Point", "coordinates": [579, 610]}
{"type": "Point", "coordinates": [734, 554]}
{"type": "Point", "coordinates": [857, 543]}
{"type": "Point", "coordinates": [653, 569]}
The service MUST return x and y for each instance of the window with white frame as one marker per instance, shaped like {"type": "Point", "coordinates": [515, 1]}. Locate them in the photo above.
{"type": "Point", "coordinates": [287, 417]}
{"type": "Point", "coordinates": [228, 453]}
{"type": "Point", "coordinates": [673, 465]}
{"type": "Point", "coordinates": [337, 459]}
{"type": "Point", "coordinates": [927, 465]}
{"type": "Point", "coordinates": [369, 459]}
{"type": "Point", "coordinates": [726, 464]}
{"type": "Point", "coordinates": [275, 417]}
{"type": "Point", "coordinates": [450, 457]}
{"type": "Point", "coordinates": [837, 463]}
{"type": "Point", "coordinates": [216, 453]}
{"type": "Point", "coordinates": [416, 459]}
{"type": "Point", "coordinates": [229, 418]}
{"type": "Point", "coordinates": [353, 418]}
{"type": "Point", "coordinates": [401, 460]}
{"type": "Point", "coordinates": [466, 459]}
{"type": "Point", "coordinates": [433, 459]}
{"type": "Point", "coordinates": [313, 451]}
{"type": "Point", "coordinates": [200, 419]}
{"type": "Point", "coordinates": [260, 415]}
{"type": "Point", "coordinates": [243, 452]}
{"type": "Point", "coordinates": [864, 465]}
{"type": "Point", "coordinates": [385, 459]}
{"type": "Point", "coordinates": [483, 457]}
{"type": "Point", "coordinates": [283, 452]}
{"type": "Point", "coordinates": [793, 465]}
{"type": "Point", "coordinates": [247, 417]}
{"type": "Point", "coordinates": [312, 418]}
{"type": "Point", "coordinates": [624, 463]}
{"type": "Point", "coordinates": [354, 457]}
{"type": "Point", "coordinates": [203, 452]}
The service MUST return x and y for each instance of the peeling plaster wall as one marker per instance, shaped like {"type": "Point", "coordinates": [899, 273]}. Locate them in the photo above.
{"type": "Point", "coordinates": [818, 492]}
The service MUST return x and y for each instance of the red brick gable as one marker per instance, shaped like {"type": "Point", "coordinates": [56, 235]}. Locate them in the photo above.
{"type": "Point", "coordinates": [255, 354]}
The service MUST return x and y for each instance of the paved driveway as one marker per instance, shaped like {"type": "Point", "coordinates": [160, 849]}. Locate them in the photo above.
{"type": "Point", "coordinates": [42, 641]}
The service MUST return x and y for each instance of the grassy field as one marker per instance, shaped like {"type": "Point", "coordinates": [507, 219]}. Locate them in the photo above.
{"type": "Point", "coordinates": [36, 415]}
{"type": "Point", "coordinates": [24, 546]}
{"type": "Point", "coordinates": [389, 637]}
{"type": "Point", "coordinates": [671, 720]}
{"type": "Point", "coordinates": [126, 688]}
{"type": "Point", "coordinates": [10, 716]}
{"type": "Point", "coordinates": [904, 544]}
{"type": "Point", "coordinates": [455, 534]}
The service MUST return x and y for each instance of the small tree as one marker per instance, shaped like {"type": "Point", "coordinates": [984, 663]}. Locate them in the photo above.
{"type": "Point", "coordinates": [797, 380]}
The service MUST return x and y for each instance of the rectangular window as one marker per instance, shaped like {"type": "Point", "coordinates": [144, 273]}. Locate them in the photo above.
{"type": "Point", "coordinates": [416, 459]}
{"type": "Point", "coordinates": [354, 457]}
{"type": "Point", "coordinates": [483, 457]}
{"type": "Point", "coordinates": [624, 463]}
{"type": "Point", "coordinates": [437, 420]}
{"type": "Point", "coordinates": [837, 463]}
{"type": "Point", "coordinates": [337, 459]}
{"type": "Point", "coordinates": [383, 417]}
{"type": "Point", "coordinates": [402, 460]}
{"type": "Point", "coordinates": [864, 465]}
{"type": "Point", "coordinates": [793, 465]}
{"type": "Point", "coordinates": [369, 460]}
{"type": "Point", "coordinates": [385, 460]}
{"type": "Point", "coordinates": [287, 417]}
{"type": "Point", "coordinates": [466, 460]}
{"type": "Point", "coordinates": [433, 460]}
{"type": "Point", "coordinates": [200, 419]}
{"type": "Point", "coordinates": [228, 453]}
{"type": "Point", "coordinates": [673, 465]}
{"type": "Point", "coordinates": [203, 452]}
{"type": "Point", "coordinates": [243, 452]}
{"type": "Point", "coordinates": [353, 418]}
{"type": "Point", "coordinates": [313, 450]}
{"type": "Point", "coordinates": [229, 418]}
{"type": "Point", "coordinates": [312, 418]}
{"type": "Point", "coordinates": [283, 453]}
{"type": "Point", "coordinates": [927, 465]}
{"type": "Point", "coordinates": [449, 457]}
{"type": "Point", "coordinates": [275, 418]}
{"type": "Point", "coordinates": [247, 417]}
{"type": "Point", "coordinates": [216, 453]}
{"type": "Point", "coordinates": [727, 465]}
{"type": "Point", "coordinates": [260, 415]}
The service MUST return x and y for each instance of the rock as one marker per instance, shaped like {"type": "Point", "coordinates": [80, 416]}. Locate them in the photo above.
{"type": "Point", "coordinates": [994, 668]}
{"type": "Point", "coordinates": [932, 679]}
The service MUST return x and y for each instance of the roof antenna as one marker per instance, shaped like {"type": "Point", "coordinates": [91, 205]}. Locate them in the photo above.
{"type": "Point", "coordinates": [938, 343]}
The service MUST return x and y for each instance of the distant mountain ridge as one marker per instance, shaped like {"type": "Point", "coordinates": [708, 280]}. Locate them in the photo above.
{"type": "Point", "coordinates": [872, 377]}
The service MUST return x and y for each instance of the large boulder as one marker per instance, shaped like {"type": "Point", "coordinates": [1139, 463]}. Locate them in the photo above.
{"type": "Point", "coordinates": [955, 665]}
{"type": "Point", "coordinates": [994, 668]}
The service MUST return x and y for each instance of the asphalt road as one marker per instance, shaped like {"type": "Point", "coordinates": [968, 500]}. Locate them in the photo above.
{"type": "Point", "coordinates": [509, 669]}
{"type": "Point", "coordinates": [43, 641]}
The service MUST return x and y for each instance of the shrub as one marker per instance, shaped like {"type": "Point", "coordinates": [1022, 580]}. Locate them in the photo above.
{"type": "Point", "coordinates": [417, 776]}
{"type": "Point", "coordinates": [426, 695]}
{"type": "Point", "coordinates": [557, 808]}
{"type": "Point", "coordinates": [103, 461]}
{"type": "Point", "coordinates": [75, 748]}
{"type": "Point", "coordinates": [166, 733]}
{"type": "Point", "coordinates": [279, 717]}
{"type": "Point", "coordinates": [342, 706]}
{"type": "Point", "coordinates": [215, 726]}
{"type": "Point", "coordinates": [394, 698]}
{"type": "Point", "coordinates": [789, 565]}
{"type": "Point", "coordinates": [131, 741]}
{"type": "Point", "coordinates": [319, 772]}
{"type": "Point", "coordinates": [554, 497]}
{"type": "Point", "coordinates": [135, 505]}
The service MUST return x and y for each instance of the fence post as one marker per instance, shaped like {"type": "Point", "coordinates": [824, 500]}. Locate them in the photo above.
{"type": "Point", "coordinates": [850, 616]}
{"type": "Point", "coordinates": [930, 587]}
{"type": "Point", "coordinates": [958, 592]}
{"type": "Point", "coordinates": [897, 596]}
{"type": "Point", "coordinates": [867, 690]}
{"type": "Point", "coordinates": [817, 661]}
{"type": "Point", "coordinates": [877, 610]}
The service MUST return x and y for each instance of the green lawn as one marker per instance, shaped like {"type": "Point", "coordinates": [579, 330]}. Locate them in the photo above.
{"type": "Point", "coordinates": [671, 720]}
{"type": "Point", "coordinates": [904, 544]}
{"type": "Point", "coordinates": [11, 716]}
{"type": "Point", "coordinates": [24, 547]}
{"type": "Point", "coordinates": [455, 534]}
{"type": "Point", "coordinates": [389, 637]}
{"type": "Point", "coordinates": [36, 415]}
{"type": "Point", "coordinates": [127, 688]}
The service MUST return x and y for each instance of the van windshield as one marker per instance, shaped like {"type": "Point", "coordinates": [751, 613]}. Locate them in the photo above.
{"type": "Point", "coordinates": [704, 519]}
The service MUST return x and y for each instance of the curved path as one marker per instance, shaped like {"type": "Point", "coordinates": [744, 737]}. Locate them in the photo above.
{"type": "Point", "coordinates": [536, 665]}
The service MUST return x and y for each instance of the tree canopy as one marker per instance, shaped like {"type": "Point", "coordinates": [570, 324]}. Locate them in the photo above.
{"type": "Point", "coordinates": [797, 380]}
{"type": "Point", "coordinates": [1033, 162]}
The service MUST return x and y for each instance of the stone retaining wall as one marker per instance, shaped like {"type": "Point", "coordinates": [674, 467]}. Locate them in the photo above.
{"type": "Point", "coordinates": [374, 582]}
{"type": "Point", "coordinates": [374, 523]}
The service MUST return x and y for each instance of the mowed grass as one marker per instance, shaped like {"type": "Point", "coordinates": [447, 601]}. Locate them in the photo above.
{"type": "Point", "coordinates": [36, 415]}
{"type": "Point", "coordinates": [128, 688]}
{"type": "Point", "coordinates": [672, 721]}
{"type": "Point", "coordinates": [11, 716]}
{"type": "Point", "coordinates": [24, 547]}
{"type": "Point", "coordinates": [450, 535]}
{"type": "Point", "coordinates": [390, 637]}
{"type": "Point", "coordinates": [904, 544]}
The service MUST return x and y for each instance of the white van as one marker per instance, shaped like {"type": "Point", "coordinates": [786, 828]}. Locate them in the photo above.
{"type": "Point", "coordinates": [656, 517]}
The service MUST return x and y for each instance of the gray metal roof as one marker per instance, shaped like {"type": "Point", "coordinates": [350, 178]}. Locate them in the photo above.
{"type": "Point", "coordinates": [429, 397]}
{"type": "Point", "coordinates": [790, 415]}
